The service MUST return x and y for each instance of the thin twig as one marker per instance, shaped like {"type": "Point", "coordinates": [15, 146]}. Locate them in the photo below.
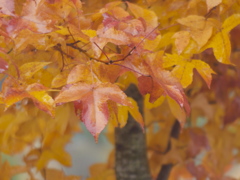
{"type": "Point", "coordinates": [131, 69]}
{"type": "Point", "coordinates": [102, 52]}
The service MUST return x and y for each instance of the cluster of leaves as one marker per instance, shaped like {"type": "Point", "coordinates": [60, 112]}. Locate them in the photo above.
{"type": "Point", "coordinates": [54, 52]}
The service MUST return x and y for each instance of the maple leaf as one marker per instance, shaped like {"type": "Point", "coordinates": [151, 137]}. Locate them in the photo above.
{"type": "Point", "coordinates": [126, 23]}
{"type": "Point", "coordinates": [161, 82]}
{"type": "Point", "coordinates": [52, 148]}
{"type": "Point", "coordinates": [81, 73]}
{"type": "Point", "coordinates": [183, 69]}
{"type": "Point", "coordinates": [149, 16]}
{"type": "Point", "coordinates": [182, 39]}
{"type": "Point", "coordinates": [14, 91]}
{"type": "Point", "coordinates": [107, 7]}
{"type": "Point", "coordinates": [177, 111]}
{"type": "Point", "coordinates": [200, 29]}
{"type": "Point", "coordinates": [7, 171]}
{"type": "Point", "coordinates": [60, 79]}
{"type": "Point", "coordinates": [90, 102]}
{"type": "Point", "coordinates": [220, 42]}
{"type": "Point", "coordinates": [110, 35]}
{"type": "Point", "coordinates": [119, 114]}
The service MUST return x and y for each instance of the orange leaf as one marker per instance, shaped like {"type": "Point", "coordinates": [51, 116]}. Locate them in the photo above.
{"type": "Point", "coordinates": [53, 148]}
{"type": "Point", "coordinates": [110, 35]}
{"type": "Point", "coordinates": [101, 171]}
{"type": "Point", "coordinates": [1, 98]}
{"type": "Point", "coordinates": [14, 91]}
{"type": "Point", "coordinates": [182, 39]}
{"type": "Point", "coordinates": [91, 102]}
{"type": "Point", "coordinates": [38, 93]}
{"type": "Point", "coordinates": [80, 72]}
{"type": "Point", "coordinates": [177, 111]}
{"type": "Point", "coordinates": [3, 65]}
{"type": "Point", "coordinates": [212, 3]}
{"type": "Point", "coordinates": [149, 16]}
{"type": "Point", "coordinates": [162, 82]}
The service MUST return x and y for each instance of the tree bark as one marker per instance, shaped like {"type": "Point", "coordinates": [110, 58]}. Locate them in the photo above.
{"type": "Point", "coordinates": [131, 154]}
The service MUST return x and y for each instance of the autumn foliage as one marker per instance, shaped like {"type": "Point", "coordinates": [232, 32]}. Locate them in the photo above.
{"type": "Point", "coordinates": [65, 61]}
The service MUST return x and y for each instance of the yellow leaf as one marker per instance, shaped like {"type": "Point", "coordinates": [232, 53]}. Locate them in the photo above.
{"type": "Point", "coordinates": [10, 124]}
{"type": "Point", "coordinates": [200, 28]}
{"type": "Point", "coordinates": [27, 70]}
{"type": "Point", "coordinates": [91, 33]}
{"type": "Point", "coordinates": [182, 39]}
{"type": "Point", "coordinates": [62, 30]}
{"type": "Point", "coordinates": [166, 39]}
{"type": "Point", "coordinates": [157, 103]}
{"type": "Point", "coordinates": [193, 21]}
{"type": "Point", "coordinates": [65, 120]}
{"type": "Point", "coordinates": [221, 47]}
{"type": "Point", "coordinates": [28, 131]}
{"type": "Point", "coordinates": [231, 22]}
{"type": "Point", "coordinates": [38, 93]}
{"type": "Point", "coordinates": [135, 112]}
{"type": "Point", "coordinates": [183, 69]}
{"type": "Point", "coordinates": [202, 36]}
{"type": "Point", "coordinates": [60, 79]}
{"type": "Point", "coordinates": [204, 70]}
{"type": "Point", "coordinates": [152, 44]}
{"type": "Point", "coordinates": [126, 79]}
{"type": "Point", "coordinates": [177, 111]}
{"type": "Point", "coordinates": [53, 148]}
{"type": "Point", "coordinates": [122, 115]}
{"type": "Point", "coordinates": [184, 72]}
{"type": "Point", "coordinates": [220, 42]}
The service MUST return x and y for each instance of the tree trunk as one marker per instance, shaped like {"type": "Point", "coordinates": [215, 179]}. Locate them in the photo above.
{"type": "Point", "coordinates": [131, 157]}
{"type": "Point", "coordinates": [131, 151]}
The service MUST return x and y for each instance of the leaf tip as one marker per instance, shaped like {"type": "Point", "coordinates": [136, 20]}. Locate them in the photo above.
{"type": "Point", "coordinates": [96, 137]}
